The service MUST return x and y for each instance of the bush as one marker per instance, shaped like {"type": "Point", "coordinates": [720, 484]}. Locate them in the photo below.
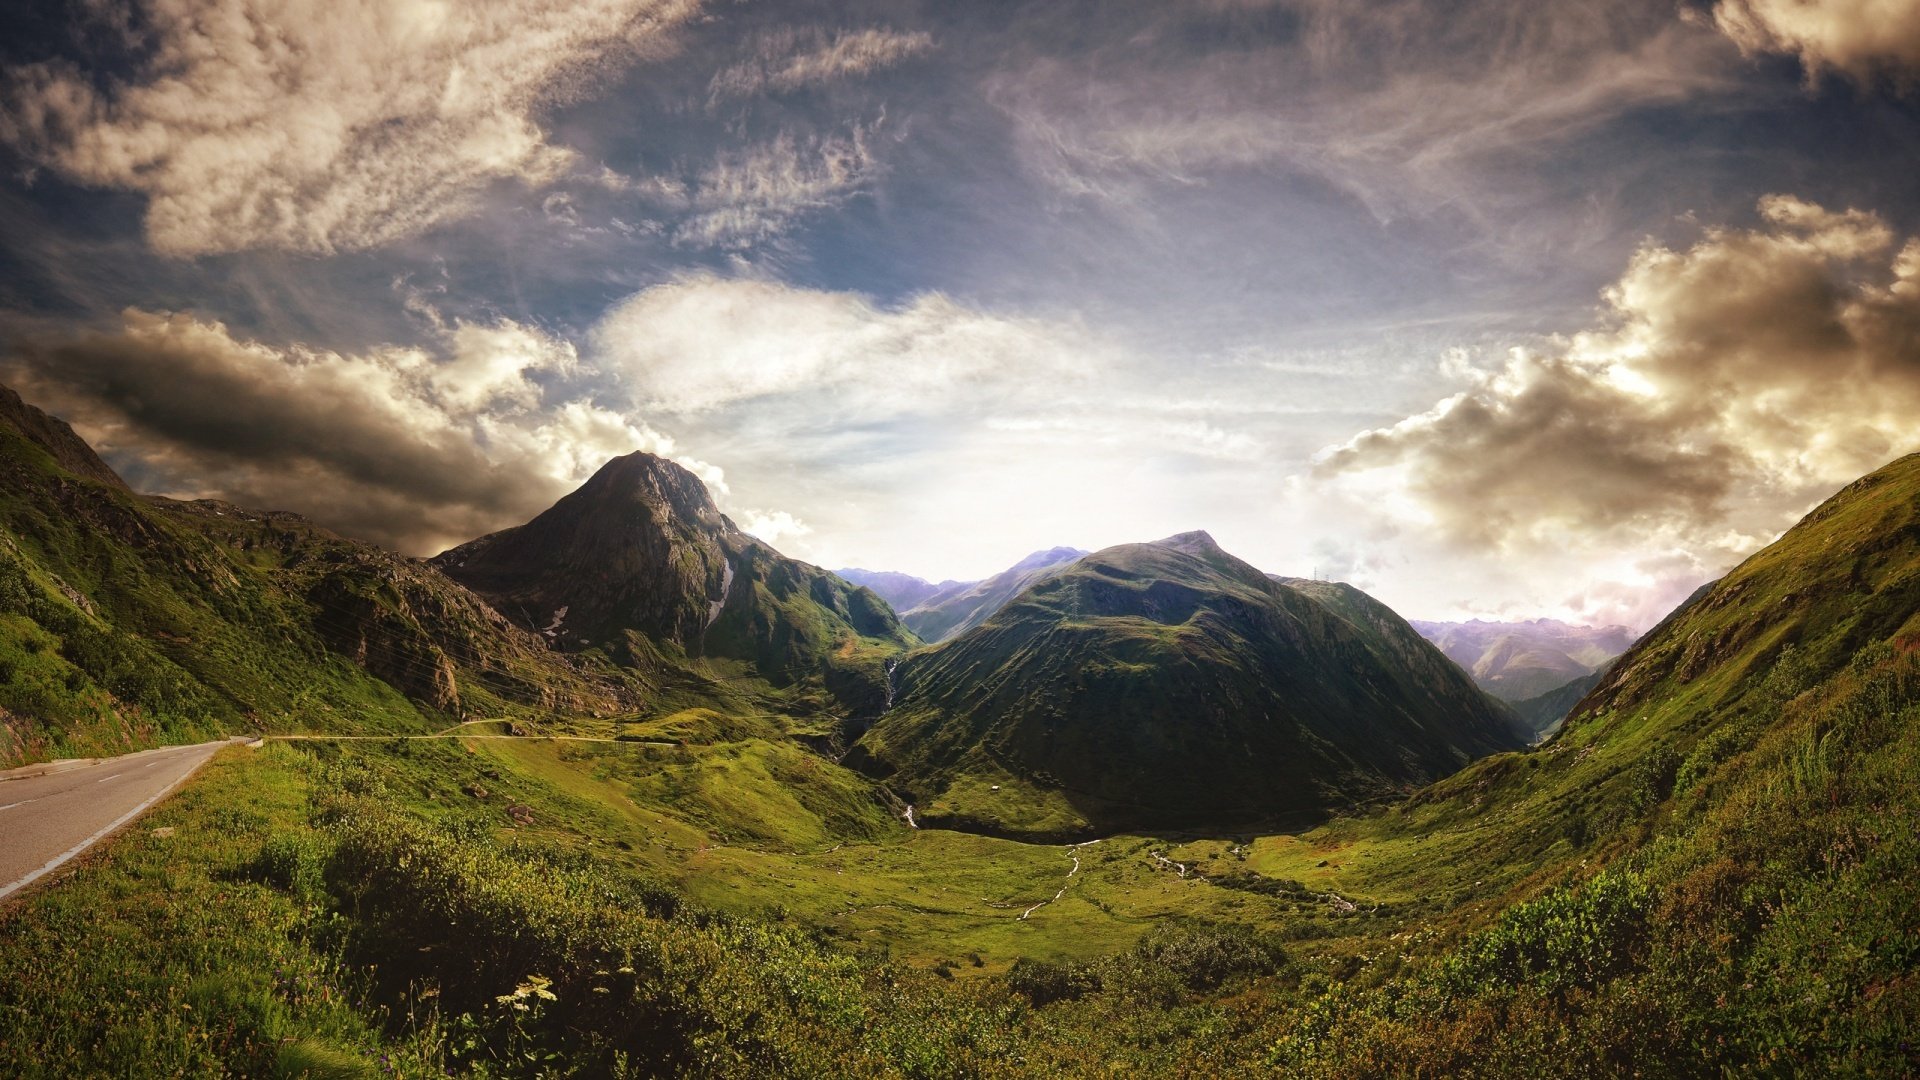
{"type": "Point", "coordinates": [1652, 780]}
{"type": "Point", "coordinates": [1043, 983]}
{"type": "Point", "coordinates": [1206, 957]}
{"type": "Point", "coordinates": [1578, 937]}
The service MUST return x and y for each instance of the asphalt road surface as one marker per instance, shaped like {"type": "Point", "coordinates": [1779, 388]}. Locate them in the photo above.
{"type": "Point", "coordinates": [46, 820]}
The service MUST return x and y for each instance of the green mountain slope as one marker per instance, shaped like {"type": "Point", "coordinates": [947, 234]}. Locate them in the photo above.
{"type": "Point", "coordinates": [1170, 684]}
{"type": "Point", "coordinates": [641, 549]}
{"type": "Point", "coordinates": [960, 606]}
{"type": "Point", "coordinates": [1707, 871]}
{"type": "Point", "coordinates": [1543, 713]}
{"type": "Point", "coordinates": [126, 620]}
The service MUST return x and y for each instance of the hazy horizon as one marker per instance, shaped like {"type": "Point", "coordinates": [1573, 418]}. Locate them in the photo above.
{"type": "Point", "coordinates": [1492, 310]}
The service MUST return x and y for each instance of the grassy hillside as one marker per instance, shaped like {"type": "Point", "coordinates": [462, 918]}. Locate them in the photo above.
{"type": "Point", "coordinates": [126, 621]}
{"type": "Point", "coordinates": [1171, 685]}
{"type": "Point", "coordinates": [1706, 872]}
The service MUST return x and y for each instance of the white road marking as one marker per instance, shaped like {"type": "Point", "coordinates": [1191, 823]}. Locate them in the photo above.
{"type": "Point", "coordinates": [54, 863]}
{"type": "Point", "coordinates": [104, 779]}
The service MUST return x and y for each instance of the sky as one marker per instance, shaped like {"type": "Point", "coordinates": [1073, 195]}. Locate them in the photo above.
{"type": "Point", "coordinates": [1493, 308]}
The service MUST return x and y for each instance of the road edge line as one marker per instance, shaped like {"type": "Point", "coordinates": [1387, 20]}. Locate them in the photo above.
{"type": "Point", "coordinates": [58, 860]}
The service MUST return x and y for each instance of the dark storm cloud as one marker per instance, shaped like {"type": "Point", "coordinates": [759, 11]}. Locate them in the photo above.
{"type": "Point", "coordinates": [414, 448]}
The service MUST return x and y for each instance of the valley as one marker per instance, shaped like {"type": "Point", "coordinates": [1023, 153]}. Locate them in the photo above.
{"type": "Point", "coordinates": [696, 808]}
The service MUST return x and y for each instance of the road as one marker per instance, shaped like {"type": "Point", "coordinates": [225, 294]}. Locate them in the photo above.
{"type": "Point", "coordinates": [46, 820]}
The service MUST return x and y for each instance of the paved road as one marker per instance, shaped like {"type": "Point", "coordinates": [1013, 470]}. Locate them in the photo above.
{"type": "Point", "coordinates": [46, 820]}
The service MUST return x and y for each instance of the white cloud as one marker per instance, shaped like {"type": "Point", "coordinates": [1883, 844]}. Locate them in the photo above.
{"type": "Point", "coordinates": [1734, 384]}
{"type": "Point", "coordinates": [703, 343]}
{"type": "Point", "coordinates": [324, 125]}
{"type": "Point", "coordinates": [1860, 38]}
{"type": "Point", "coordinates": [754, 195]}
{"type": "Point", "coordinates": [785, 60]}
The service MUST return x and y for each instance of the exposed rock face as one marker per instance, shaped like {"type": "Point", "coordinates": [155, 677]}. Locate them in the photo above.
{"type": "Point", "coordinates": [641, 548]}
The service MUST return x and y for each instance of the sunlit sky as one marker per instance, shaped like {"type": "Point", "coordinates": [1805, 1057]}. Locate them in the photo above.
{"type": "Point", "coordinates": [1495, 309]}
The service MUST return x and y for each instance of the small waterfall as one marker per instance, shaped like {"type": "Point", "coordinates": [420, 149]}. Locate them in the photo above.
{"type": "Point", "coordinates": [891, 665]}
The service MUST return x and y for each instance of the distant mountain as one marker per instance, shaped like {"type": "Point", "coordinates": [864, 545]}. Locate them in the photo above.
{"type": "Point", "coordinates": [960, 606]}
{"type": "Point", "coordinates": [640, 558]}
{"type": "Point", "coordinates": [901, 591]}
{"type": "Point", "coordinates": [1170, 684]}
{"type": "Point", "coordinates": [1543, 713]}
{"type": "Point", "coordinates": [1515, 661]}
{"type": "Point", "coordinates": [127, 620]}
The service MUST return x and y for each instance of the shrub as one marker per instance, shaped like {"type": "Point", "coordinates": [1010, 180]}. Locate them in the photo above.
{"type": "Point", "coordinates": [1043, 983]}
{"type": "Point", "coordinates": [1577, 937]}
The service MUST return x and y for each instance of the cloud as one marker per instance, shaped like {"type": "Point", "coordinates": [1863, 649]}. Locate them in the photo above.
{"type": "Point", "coordinates": [755, 195]}
{"type": "Point", "coordinates": [1407, 106]}
{"type": "Point", "coordinates": [705, 343]}
{"type": "Point", "coordinates": [415, 448]}
{"type": "Point", "coordinates": [933, 434]}
{"type": "Point", "coordinates": [1863, 39]}
{"type": "Point", "coordinates": [788, 59]}
{"type": "Point", "coordinates": [325, 125]}
{"type": "Point", "coordinates": [1733, 384]}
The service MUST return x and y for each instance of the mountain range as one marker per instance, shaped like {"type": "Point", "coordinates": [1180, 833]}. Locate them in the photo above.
{"type": "Point", "coordinates": [1169, 684]}
{"type": "Point", "coordinates": [938, 612]}
{"type": "Point", "coordinates": [1702, 871]}
{"type": "Point", "coordinates": [1515, 661]}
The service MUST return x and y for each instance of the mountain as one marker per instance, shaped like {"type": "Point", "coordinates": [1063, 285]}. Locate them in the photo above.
{"type": "Point", "coordinates": [900, 591]}
{"type": "Point", "coordinates": [1515, 661]}
{"type": "Point", "coordinates": [1543, 713]}
{"type": "Point", "coordinates": [961, 606]}
{"type": "Point", "coordinates": [1170, 684]}
{"type": "Point", "coordinates": [640, 558]}
{"type": "Point", "coordinates": [126, 620]}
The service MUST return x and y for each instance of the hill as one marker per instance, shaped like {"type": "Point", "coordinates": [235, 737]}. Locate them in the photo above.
{"type": "Point", "coordinates": [961, 606]}
{"type": "Point", "coordinates": [639, 558]}
{"type": "Point", "coordinates": [126, 620]}
{"type": "Point", "coordinates": [1171, 684]}
{"type": "Point", "coordinates": [1515, 661]}
{"type": "Point", "coordinates": [1696, 874]}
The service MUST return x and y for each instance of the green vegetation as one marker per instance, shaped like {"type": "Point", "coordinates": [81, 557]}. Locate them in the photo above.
{"type": "Point", "coordinates": [1707, 871]}
{"type": "Point", "coordinates": [1170, 684]}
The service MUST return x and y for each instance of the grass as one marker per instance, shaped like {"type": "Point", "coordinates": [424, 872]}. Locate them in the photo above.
{"type": "Point", "coordinates": [166, 953]}
{"type": "Point", "coordinates": [1707, 872]}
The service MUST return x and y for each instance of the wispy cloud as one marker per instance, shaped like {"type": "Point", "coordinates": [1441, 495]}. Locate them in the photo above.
{"type": "Point", "coordinates": [319, 126]}
{"type": "Point", "coordinates": [790, 58]}
{"type": "Point", "coordinates": [754, 195]}
{"type": "Point", "coordinates": [1406, 105]}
